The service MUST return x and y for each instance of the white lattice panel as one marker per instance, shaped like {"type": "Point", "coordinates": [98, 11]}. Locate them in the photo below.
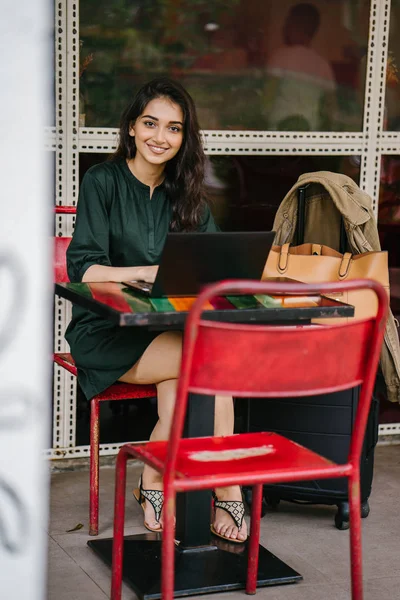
{"type": "Point", "coordinates": [64, 383]}
{"type": "Point", "coordinates": [375, 89]}
{"type": "Point", "coordinates": [97, 139]}
{"type": "Point", "coordinates": [83, 451]}
{"type": "Point", "coordinates": [390, 143]}
{"type": "Point", "coordinates": [389, 429]}
{"type": "Point", "coordinates": [104, 140]}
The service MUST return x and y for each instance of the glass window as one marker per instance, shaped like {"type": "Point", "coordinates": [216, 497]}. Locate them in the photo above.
{"type": "Point", "coordinates": [244, 192]}
{"type": "Point", "coordinates": [389, 234]}
{"type": "Point", "coordinates": [248, 64]}
{"type": "Point", "coordinates": [392, 105]}
{"type": "Point", "coordinates": [389, 223]}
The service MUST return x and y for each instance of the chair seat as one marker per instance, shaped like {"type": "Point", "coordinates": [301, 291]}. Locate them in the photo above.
{"type": "Point", "coordinates": [239, 455]}
{"type": "Point", "coordinates": [125, 391]}
{"type": "Point", "coordinates": [116, 391]}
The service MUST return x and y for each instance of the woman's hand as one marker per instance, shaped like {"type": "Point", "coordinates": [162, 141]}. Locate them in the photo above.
{"type": "Point", "coordinates": [148, 274]}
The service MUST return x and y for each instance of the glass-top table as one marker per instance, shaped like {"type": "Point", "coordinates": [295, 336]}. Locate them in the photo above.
{"type": "Point", "coordinates": [124, 307]}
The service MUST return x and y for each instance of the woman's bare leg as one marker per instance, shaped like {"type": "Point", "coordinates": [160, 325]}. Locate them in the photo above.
{"type": "Point", "coordinates": [223, 522]}
{"type": "Point", "coordinates": [160, 364]}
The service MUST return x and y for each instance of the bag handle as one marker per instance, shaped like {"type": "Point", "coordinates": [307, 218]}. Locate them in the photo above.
{"type": "Point", "coordinates": [345, 265]}
{"type": "Point", "coordinates": [283, 258]}
{"type": "Point", "coordinates": [301, 219]}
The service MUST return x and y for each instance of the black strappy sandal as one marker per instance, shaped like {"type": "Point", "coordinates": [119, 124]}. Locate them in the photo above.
{"type": "Point", "coordinates": [156, 499]}
{"type": "Point", "coordinates": [235, 508]}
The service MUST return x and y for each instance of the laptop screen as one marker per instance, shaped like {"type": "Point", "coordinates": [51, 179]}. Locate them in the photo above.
{"type": "Point", "coordinates": [191, 260]}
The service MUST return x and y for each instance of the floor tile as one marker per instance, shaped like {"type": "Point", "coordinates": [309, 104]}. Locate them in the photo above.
{"type": "Point", "coordinates": [67, 580]}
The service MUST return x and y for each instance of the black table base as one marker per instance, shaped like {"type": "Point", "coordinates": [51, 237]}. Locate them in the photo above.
{"type": "Point", "coordinates": [218, 567]}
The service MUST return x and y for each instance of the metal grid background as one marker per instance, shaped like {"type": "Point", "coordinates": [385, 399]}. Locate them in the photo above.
{"type": "Point", "coordinates": [67, 140]}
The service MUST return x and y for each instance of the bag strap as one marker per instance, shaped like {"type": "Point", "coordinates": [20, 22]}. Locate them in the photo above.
{"type": "Point", "coordinates": [301, 219]}
{"type": "Point", "coordinates": [343, 237]}
{"type": "Point", "coordinates": [301, 214]}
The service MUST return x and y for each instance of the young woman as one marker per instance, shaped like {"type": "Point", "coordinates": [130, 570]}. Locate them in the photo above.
{"type": "Point", "coordinates": [153, 184]}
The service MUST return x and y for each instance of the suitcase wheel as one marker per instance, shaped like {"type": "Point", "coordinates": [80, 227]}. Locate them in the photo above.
{"type": "Point", "coordinates": [365, 509]}
{"type": "Point", "coordinates": [342, 516]}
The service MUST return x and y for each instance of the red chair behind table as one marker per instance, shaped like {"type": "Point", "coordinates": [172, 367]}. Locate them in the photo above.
{"type": "Point", "coordinates": [269, 361]}
{"type": "Point", "coordinates": [118, 391]}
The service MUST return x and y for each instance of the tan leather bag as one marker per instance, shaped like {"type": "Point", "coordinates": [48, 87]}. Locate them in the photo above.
{"type": "Point", "coordinates": [314, 263]}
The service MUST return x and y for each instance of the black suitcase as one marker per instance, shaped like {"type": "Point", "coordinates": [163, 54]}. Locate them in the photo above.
{"type": "Point", "coordinates": [321, 423]}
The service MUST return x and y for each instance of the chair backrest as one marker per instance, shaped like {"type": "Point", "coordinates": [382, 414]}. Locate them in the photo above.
{"type": "Point", "coordinates": [60, 247]}
{"type": "Point", "coordinates": [280, 361]}
{"type": "Point", "coordinates": [60, 259]}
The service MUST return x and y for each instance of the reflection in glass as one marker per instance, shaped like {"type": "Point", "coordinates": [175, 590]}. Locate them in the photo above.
{"type": "Point", "coordinates": [389, 223]}
{"type": "Point", "coordinates": [301, 81]}
{"type": "Point", "coordinates": [392, 97]}
{"type": "Point", "coordinates": [389, 234]}
{"type": "Point", "coordinates": [248, 64]}
{"type": "Point", "coordinates": [244, 192]}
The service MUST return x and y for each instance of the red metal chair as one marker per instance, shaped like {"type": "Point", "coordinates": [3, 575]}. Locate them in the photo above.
{"type": "Point", "coordinates": [118, 391]}
{"type": "Point", "coordinates": [259, 361]}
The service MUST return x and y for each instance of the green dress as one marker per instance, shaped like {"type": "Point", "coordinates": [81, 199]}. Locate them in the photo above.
{"type": "Point", "coordinates": [117, 224]}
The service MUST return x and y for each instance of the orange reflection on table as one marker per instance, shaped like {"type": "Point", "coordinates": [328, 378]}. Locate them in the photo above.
{"type": "Point", "coordinates": [298, 301]}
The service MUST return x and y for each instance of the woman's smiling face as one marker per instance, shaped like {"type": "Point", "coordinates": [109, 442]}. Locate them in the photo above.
{"type": "Point", "coordinates": [158, 131]}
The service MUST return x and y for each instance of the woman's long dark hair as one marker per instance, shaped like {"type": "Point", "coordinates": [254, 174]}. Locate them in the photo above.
{"type": "Point", "coordinates": [184, 173]}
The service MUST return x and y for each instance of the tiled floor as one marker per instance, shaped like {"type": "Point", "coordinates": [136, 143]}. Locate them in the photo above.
{"type": "Point", "coordinates": [302, 536]}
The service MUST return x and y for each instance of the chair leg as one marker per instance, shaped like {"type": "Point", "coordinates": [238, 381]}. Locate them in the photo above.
{"type": "Point", "coordinates": [94, 467]}
{"type": "Point", "coordinates": [168, 544]}
{"type": "Point", "coordinates": [355, 536]}
{"type": "Point", "coordinates": [254, 541]}
{"type": "Point", "coordinates": [119, 520]}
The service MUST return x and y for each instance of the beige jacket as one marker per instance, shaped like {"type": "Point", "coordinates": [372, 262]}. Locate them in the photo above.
{"type": "Point", "coordinates": [330, 196]}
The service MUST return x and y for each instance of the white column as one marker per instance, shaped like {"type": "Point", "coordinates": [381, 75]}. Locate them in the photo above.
{"type": "Point", "coordinates": [26, 294]}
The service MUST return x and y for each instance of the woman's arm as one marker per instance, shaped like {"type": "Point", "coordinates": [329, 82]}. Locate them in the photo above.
{"type": "Point", "coordinates": [88, 253]}
{"type": "Point", "coordinates": [102, 273]}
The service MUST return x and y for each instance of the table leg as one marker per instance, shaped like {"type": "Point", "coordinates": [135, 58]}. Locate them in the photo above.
{"type": "Point", "coordinates": [193, 512]}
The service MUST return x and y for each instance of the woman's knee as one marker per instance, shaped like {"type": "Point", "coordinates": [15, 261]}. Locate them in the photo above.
{"type": "Point", "coordinates": [160, 361]}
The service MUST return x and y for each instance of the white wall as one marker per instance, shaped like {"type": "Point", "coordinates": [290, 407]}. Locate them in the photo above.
{"type": "Point", "coordinates": [25, 295]}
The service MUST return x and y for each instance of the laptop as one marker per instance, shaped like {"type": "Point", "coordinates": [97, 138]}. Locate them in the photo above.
{"type": "Point", "coordinates": [191, 260]}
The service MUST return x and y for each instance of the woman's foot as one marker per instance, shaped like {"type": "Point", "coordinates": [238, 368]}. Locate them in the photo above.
{"type": "Point", "coordinates": [229, 521]}
{"type": "Point", "coordinates": [150, 496]}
